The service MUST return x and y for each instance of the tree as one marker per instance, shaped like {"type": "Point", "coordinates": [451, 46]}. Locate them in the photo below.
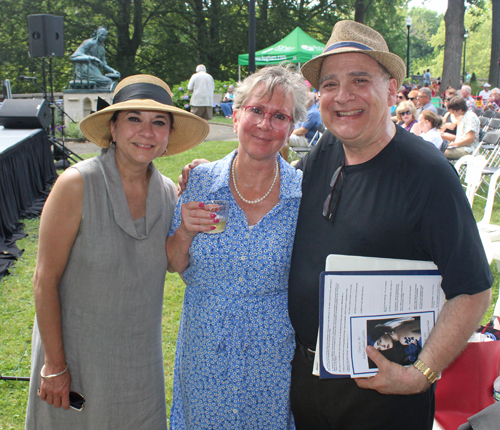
{"type": "Point", "coordinates": [454, 23]}
{"type": "Point", "coordinates": [495, 44]}
{"type": "Point", "coordinates": [425, 24]}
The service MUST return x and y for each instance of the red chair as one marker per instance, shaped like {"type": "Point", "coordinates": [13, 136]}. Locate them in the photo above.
{"type": "Point", "coordinates": [466, 386]}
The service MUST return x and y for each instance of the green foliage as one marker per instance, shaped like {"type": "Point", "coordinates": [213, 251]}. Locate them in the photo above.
{"type": "Point", "coordinates": [425, 24]}
{"type": "Point", "coordinates": [478, 49]}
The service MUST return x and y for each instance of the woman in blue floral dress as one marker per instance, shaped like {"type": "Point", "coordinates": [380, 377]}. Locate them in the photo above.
{"type": "Point", "coordinates": [235, 341]}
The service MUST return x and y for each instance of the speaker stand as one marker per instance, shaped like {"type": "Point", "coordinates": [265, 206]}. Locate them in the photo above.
{"type": "Point", "coordinates": [61, 153]}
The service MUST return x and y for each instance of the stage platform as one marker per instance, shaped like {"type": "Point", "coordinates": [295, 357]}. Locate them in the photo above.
{"type": "Point", "coordinates": [27, 173]}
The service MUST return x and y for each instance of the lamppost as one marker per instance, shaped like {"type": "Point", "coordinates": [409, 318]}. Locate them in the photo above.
{"type": "Point", "coordinates": [465, 47]}
{"type": "Point", "coordinates": [251, 37]}
{"type": "Point", "coordinates": [408, 25]}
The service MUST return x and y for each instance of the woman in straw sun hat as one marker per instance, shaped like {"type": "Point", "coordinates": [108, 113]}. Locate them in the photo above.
{"type": "Point", "coordinates": [101, 268]}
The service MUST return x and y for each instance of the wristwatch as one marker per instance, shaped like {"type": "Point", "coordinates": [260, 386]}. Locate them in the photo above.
{"type": "Point", "coordinates": [428, 373]}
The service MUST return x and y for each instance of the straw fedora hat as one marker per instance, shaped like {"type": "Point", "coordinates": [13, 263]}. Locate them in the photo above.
{"type": "Point", "coordinates": [351, 36]}
{"type": "Point", "coordinates": [146, 92]}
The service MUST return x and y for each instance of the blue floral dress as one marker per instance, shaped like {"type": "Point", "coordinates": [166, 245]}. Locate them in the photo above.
{"type": "Point", "coordinates": [235, 344]}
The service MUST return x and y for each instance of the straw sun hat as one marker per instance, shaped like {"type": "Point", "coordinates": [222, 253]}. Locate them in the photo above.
{"type": "Point", "coordinates": [351, 36]}
{"type": "Point", "coordinates": [146, 92]}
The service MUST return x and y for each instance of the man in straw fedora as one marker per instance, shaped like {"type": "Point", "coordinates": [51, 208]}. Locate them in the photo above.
{"type": "Point", "coordinates": [372, 189]}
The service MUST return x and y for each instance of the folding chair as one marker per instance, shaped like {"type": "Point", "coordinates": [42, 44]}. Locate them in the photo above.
{"type": "Point", "coordinates": [493, 125]}
{"type": "Point", "coordinates": [492, 230]}
{"type": "Point", "coordinates": [466, 386]}
{"type": "Point", "coordinates": [477, 111]}
{"type": "Point", "coordinates": [483, 124]}
{"type": "Point", "coordinates": [300, 151]}
{"type": "Point", "coordinates": [473, 173]}
{"type": "Point", "coordinates": [441, 111]}
{"type": "Point", "coordinates": [319, 132]}
{"type": "Point", "coordinates": [489, 114]}
{"type": "Point", "coordinates": [488, 142]}
{"type": "Point", "coordinates": [497, 114]}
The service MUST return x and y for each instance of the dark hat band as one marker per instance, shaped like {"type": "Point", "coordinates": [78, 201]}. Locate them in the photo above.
{"type": "Point", "coordinates": [348, 45]}
{"type": "Point", "coordinates": [143, 90]}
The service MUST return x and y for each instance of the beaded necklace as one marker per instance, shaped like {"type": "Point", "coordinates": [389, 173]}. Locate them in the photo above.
{"type": "Point", "coordinates": [252, 202]}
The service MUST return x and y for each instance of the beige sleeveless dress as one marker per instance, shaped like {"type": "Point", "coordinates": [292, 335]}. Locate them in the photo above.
{"type": "Point", "coordinates": [111, 299]}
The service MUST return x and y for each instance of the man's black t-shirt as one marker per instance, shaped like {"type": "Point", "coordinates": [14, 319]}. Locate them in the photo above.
{"type": "Point", "coordinates": [407, 203]}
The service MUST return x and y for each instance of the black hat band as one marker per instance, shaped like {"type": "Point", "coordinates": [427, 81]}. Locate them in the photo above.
{"type": "Point", "coordinates": [142, 90]}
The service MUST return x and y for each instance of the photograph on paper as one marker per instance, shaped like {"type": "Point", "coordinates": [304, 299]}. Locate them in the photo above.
{"type": "Point", "coordinates": [398, 337]}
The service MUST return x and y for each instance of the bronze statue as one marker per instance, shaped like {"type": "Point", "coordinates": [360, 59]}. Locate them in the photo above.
{"type": "Point", "coordinates": [90, 58]}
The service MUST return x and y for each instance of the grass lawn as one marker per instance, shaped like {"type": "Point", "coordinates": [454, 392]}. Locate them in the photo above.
{"type": "Point", "coordinates": [17, 307]}
{"type": "Point", "coordinates": [221, 119]}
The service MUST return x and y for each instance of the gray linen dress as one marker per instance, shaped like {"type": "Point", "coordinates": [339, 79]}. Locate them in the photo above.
{"type": "Point", "coordinates": [111, 299]}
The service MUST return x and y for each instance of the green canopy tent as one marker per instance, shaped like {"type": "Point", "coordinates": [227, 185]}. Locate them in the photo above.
{"type": "Point", "coordinates": [297, 47]}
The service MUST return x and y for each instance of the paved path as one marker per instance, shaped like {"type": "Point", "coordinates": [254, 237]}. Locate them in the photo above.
{"type": "Point", "coordinates": [217, 132]}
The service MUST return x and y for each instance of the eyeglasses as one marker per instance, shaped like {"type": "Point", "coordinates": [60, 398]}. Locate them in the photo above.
{"type": "Point", "coordinates": [405, 113]}
{"type": "Point", "coordinates": [255, 115]}
{"type": "Point", "coordinates": [328, 210]}
{"type": "Point", "coordinates": [421, 97]}
{"type": "Point", "coordinates": [412, 98]}
{"type": "Point", "coordinates": [400, 97]}
{"type": "Point", "coordinates": [76, 401]}
{"type": "Point", "coordinates": [447, 99]}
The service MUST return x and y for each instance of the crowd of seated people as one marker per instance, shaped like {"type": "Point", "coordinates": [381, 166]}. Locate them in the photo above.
{"type": "Point", "coordinates": [455, 127]}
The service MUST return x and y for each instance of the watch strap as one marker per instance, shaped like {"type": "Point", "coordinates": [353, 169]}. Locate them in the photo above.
{"type": "Point", "coordinates": [428, 373]}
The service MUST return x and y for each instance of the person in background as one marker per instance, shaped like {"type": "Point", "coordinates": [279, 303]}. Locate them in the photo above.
{"type": "Point", "coordinates": [466, 93]}
{"type": "Point", "coordinates": [467, 137]}
{"type": "Point", "coordinates": [412, 96]}
{"type": "Point", "coordinates": [407, 117]}
{"type": "Point", "coordinates": [101, 266]}
{"type": "Point", "coordinates": [232, 365]}
{"type": "Point", "coordinates": [424, 100]}
{"type": "Point", "coordinates": [429, 124]}
{"type": "Point", "coordinates": [304, 131]}
{"type": "Point", "coordinates": [494, 100]}
{"type": "Point", "coordinates": [402, 96]}
{"type": "Point", "coordinates": [449, 128]}
{"type": "Point", "coordinates": [427, 78]}
{"type": "Point", "coordinates": [201, 86]}
{"type": "Point", "coordinates": [227, 102]}
{"type": "Point", "coordinates": [485, 93]}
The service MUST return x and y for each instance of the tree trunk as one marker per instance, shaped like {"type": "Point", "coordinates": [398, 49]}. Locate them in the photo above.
{"type": "Point", "coordinates": [359, 11]}
{"type": "Point", "coordinates": [126, 48]}
{"type": "Point", "coordinates": [495, 44]}
{"type": "Point", "coordinates": [202, 41]}
{"type": "Point", "coordinates": [454, 23]}
{"type": "Point", "coordinates": [214, 56]}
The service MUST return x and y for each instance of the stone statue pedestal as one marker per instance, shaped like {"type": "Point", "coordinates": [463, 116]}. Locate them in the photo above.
{"type": "Point", "coordinates": [79, 103]}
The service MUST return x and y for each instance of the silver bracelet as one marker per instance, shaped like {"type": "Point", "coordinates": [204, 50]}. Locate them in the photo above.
{"type": "Point", "coordinates": [55, 375]}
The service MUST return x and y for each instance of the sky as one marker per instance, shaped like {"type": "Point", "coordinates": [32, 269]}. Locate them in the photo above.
{"type": "Point", "coordinates": [439, 6]}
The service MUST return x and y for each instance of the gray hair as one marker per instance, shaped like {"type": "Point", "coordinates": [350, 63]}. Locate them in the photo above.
{"type": "Point", "coordinates": [467, 89]}
{"type": "Point", "coordinates": [201, 68]}
{"type": "Point", "coordinates": [426, 92]}
{"type": "Point", "coordinates": [284, 77]}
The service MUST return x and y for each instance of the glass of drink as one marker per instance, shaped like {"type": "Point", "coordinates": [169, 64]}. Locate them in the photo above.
{"type": "Point", "coordinates": [220, 208]}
